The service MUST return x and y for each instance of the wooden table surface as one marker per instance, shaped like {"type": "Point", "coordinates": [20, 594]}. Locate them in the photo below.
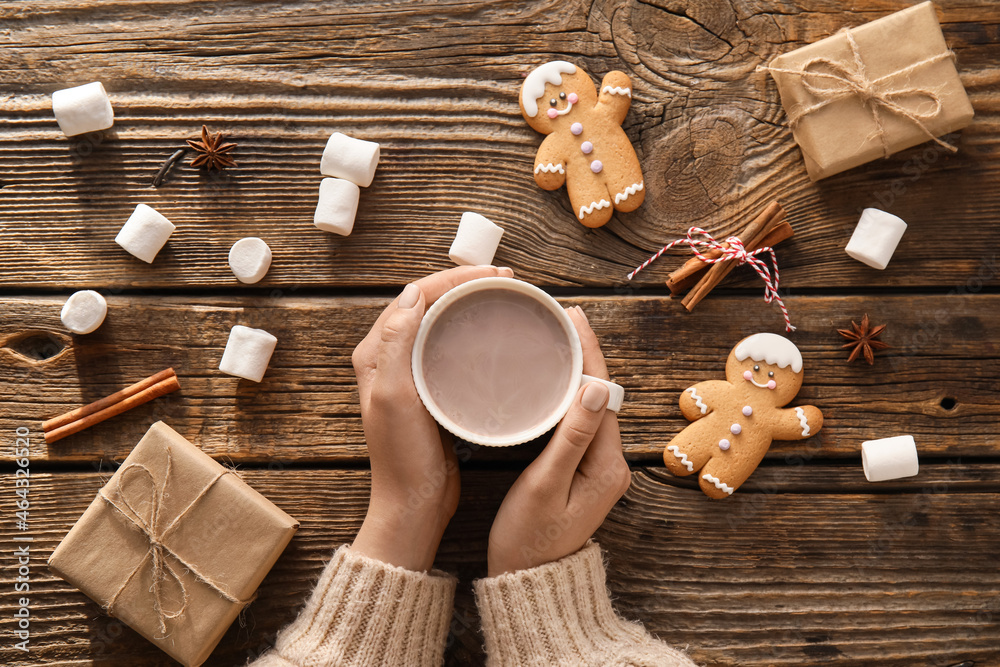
{"type": "Point", "coordinates": [806, 564]}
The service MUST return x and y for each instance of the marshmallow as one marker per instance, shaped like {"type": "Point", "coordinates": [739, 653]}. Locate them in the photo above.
{"type": "Point", "coordinates": [337, 207]}
{"type": "Point", "coordinates": [351, 159]}
{"type": "Point", "coordinates": [83, 109]}
{"type": "Point", "coordinates": [247, 353]}
{"type": "Point", "coordinates": [145, 233]}
{"type": "Point", "coordinates": [84, 311]}
{"type": "Point", "coordinates": [249, 258]}
{"type": "Point", "coordinates": [476, 241]}
{"type": "Point", "coordinates": [875, 238]}
{"type": "Point", "coordinates": [889, 458]}
{"type": "Point", "coordinates": [616, 394]}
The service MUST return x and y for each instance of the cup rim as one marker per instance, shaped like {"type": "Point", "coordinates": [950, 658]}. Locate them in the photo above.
{"type": "Point", "coordinates": [478, 285]}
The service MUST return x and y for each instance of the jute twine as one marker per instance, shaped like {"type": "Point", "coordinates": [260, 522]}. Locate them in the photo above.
{"type": "Point", "coordinates": [875, 94]}
{"type": "Point", "coordinates": [158, 551]}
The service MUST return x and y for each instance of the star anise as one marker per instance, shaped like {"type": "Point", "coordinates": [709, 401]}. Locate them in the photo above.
{"type": "Point", "coordinates": [212, 153]}
{"type": "Point", "coordinates": [863, 339]}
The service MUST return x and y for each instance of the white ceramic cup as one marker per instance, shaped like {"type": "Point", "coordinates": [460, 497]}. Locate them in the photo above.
{"type": "Point", "coordinates": [572, 342]}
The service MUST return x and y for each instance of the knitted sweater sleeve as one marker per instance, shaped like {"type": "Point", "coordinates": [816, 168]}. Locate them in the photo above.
{"type": "Point", "coordinates": [560, 614]}
{"type": "Point", "coordinates": [364, 612]}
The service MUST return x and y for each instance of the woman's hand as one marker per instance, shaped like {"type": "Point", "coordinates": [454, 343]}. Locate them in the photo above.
{"type": "Point", "coordinates": [415, 481]}
{"type": "Point", "coordinates": [562, 497]}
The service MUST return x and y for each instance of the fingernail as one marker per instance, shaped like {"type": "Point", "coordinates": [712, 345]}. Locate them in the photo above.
{"type": "Point", "coordinates": [594, 397]}
{"type": "Point", "coordinates": [485, 266]}
{"type": "Point", "coordinates": [506, 271]}
{"type": "Point", "coordinates": [409, 297]}
{"type": "Point", "coordinates": [582, 314]}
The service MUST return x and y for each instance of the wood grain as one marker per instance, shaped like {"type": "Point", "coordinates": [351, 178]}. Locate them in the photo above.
{"type": "Point", "coordinates": [436, 84]}
{"type": "Point", "coordinates": [807, 564]}
{"type": "Point", "coordinates": [803, 576]}
{"type": "Point", "coordinates": [804, 565]}
{"type": "Point", "coordinates": [306, 408]}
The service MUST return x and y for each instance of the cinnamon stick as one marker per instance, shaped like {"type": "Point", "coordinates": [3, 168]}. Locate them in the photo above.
{"type": "Point", "coordinates": [767, 219]}
{"type": "Point", "coordinates": [687, 275]}
{"type": "Point", "coordinates": [141, 392]}
{"type": "Point", "coordinates": [752, 236]}
{"type": "Point", "coordinates": [782, 232]}
{"type": "Point", "coordinates": [96, 406]}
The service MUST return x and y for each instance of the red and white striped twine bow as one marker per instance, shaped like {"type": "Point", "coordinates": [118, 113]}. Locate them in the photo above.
{"type": "Point", "coordinates": [735, 251]}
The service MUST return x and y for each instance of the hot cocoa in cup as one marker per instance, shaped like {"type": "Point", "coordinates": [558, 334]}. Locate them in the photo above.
{"type": "Point", "coordinates": [497, 361]}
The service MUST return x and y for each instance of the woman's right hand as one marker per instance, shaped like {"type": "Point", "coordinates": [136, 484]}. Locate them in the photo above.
{"type": "Point", "coordinates": [563, 496]}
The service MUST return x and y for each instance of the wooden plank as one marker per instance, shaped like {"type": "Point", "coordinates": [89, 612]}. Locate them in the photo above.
{"type": "Point", "coordinates": [68, 628]}
{"type": "Point", "coordinates": [814, 573]}
{"type": "Point", "coordinates": [802, 566]}
{"type": "Point", "coordinates": [437, 85]}
{"type": "Point", "coordinates": [936, 383]}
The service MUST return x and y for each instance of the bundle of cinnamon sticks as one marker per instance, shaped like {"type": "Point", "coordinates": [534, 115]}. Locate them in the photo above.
{"type": "Point", "coordinates": [767, 229]}
{"type": "Point", "coordinates": [141, 392]}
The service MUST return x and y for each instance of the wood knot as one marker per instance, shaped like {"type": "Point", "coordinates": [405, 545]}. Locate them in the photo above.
{"type": "Point", "coordinates": [694, 167]}
{"type": "Point", "coordinates": [37, 346]}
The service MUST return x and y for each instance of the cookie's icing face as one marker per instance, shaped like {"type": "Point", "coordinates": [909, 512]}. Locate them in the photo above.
{"type": "Point", "coordinates": [533, 88]}
{"type": "Point", "coordinates": [770, 348]}
{"type": "Point", "coordinates": [766, 366]}
{"type": "Point", "coordinates": [559, 97]}
{"type": "Point", "coordinates": [769, 383]}
{"type": "Point", "coordinates": [556, 102]}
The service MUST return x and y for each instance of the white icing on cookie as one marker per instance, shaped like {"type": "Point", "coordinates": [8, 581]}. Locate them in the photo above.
{"type": "Point", "coordinates": [719, 484]}
{"type": "Point", "coordinates": [550, 168]}
{"type": "Point", "coordinates": [594, 206]}
{"type": "Point", "coordinates": [772, 349]}
{"type": "Point", "coordinates": [630, 190]}
{"type": "Point", "coordinates": [676, 451]}
{"type": "Point", "coordinates": [617, 90]}
{"type": "Point", "coordinates": [697, 400]}
{"type": "Point", "coordinates": [534, 84]}
{"type": "Point", "coordinates": [803, 421]}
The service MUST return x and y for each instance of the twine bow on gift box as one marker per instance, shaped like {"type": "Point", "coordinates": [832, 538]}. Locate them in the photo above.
{"type": "Point", "coordinates": [158, 551]}
{"type": "Point", "coordinates": [875, 94]}
{"type": "Point", "coordinates": [732, 249]}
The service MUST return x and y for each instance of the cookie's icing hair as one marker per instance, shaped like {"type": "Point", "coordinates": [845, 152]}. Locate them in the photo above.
{"type": "Point", "coordinates": [770, 348]}
{"type": "Point", "coordinates": [534, 84]}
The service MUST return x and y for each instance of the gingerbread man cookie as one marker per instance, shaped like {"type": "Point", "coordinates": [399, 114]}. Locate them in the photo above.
{"type": "Point", "coordinates": [735, 420]}
{"type": "Point", "coordinates": [586, 148]}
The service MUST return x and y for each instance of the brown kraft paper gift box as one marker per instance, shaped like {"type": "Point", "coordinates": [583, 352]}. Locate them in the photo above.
{"type": "Point", "coordinates": [206, 518]}
{"type": "Point", "coordinates": [842, 117]}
